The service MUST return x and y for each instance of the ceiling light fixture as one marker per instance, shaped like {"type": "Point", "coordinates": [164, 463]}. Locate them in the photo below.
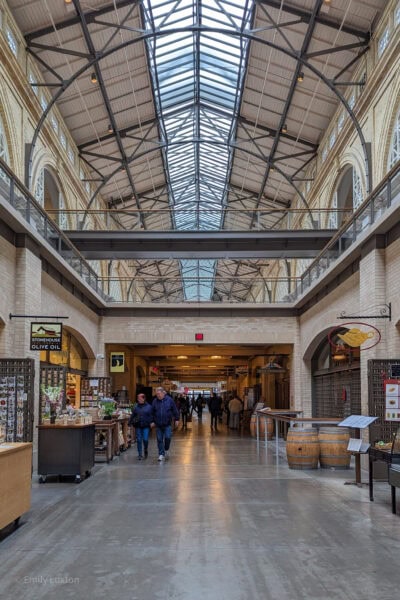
{"type": "Point", "coordinates": [284, 128]}
{"type": "Point", "coordinates": [68, 1]}
{"type": "Point", "coordinates": [110, 128]}
{"type": "Point", "coordinates": [215, 356]}
{"type": "Point", "coordinates": [300, 77]}
{"type": "Point", "coordinates": [93, 78]}
{"type": "Point", "coordinates": [182, 357]}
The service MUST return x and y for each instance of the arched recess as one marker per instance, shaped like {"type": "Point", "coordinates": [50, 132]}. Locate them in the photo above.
{"type": "Point", "coordinates": [88, 350]}
{"type": "Point", "coordinates": [50, 195]}
{"type": "Point", "coordinates": [336, 383]}
{"type": "Point", "coordinates": [8, 136]}
{"type": "Point", "coordinates": [386, 134]}
{"type": "Point", "coordinates": [348, 195]}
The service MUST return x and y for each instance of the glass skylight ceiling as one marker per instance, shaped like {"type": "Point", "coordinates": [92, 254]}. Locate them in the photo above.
{"type": "Point", "coordinates": [197, 78]}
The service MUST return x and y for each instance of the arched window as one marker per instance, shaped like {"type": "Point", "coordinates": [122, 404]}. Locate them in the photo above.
{"type": "Point", "coordinates": [394, 155]}
{"type": "Point", "coordinates": [39, 188]}
{"type": "Point", "coordinates": [3, 149]}
{"type": "Point", "coordinates": [357, 190]}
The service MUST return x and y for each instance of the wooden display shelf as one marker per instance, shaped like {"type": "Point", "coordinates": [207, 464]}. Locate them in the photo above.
{"type": "Point", "coordinates": [15, 481]}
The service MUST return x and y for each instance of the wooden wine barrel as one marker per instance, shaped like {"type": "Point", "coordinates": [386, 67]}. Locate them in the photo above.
{"type": "Point", "coordinates": [333, 442]}
{"type": "Point", "coordinates": [261, 425]}
{"type": "Point", "coordinates": [302, 448]}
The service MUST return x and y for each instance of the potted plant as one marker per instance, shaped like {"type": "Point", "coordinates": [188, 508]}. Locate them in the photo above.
{"type": "Point", "coordinates": [108, 407]}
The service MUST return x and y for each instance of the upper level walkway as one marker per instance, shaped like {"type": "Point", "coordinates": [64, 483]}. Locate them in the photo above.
{"type": "Point", "coordinates": [217, 522]}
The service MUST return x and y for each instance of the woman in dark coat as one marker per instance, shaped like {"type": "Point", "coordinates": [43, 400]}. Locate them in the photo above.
{"type": "Point", "coordinates": [141, 418]}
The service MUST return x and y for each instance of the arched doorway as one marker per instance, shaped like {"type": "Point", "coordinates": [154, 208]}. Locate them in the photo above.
{"type": "Point", "coordinates": [336, 380]}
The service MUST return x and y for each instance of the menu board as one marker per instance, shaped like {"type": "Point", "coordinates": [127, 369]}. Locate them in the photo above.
{"type": "Point", "coordinates": [392, 399]}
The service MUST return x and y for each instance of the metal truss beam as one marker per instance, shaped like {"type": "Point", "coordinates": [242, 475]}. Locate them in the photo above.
{"type": "Point", "coordinates": [211, 30]}
{"type": "Point", "coordinates": [145, 245]}
{"type": "Point", "coordinates": [90, 17]}
{"type": "Point", "coordinates": [306, 16]}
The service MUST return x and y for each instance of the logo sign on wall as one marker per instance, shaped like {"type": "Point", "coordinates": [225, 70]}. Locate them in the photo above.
{"type": "Point", "coordinates": [46, 336]}
{"type": "Point", "coordinates": [117, 362]}
{"type": "Point", "coordinates": [357, 335]}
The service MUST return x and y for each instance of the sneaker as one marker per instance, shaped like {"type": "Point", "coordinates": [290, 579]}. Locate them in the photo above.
{"type": "Point", "coordinates": [161, 458]}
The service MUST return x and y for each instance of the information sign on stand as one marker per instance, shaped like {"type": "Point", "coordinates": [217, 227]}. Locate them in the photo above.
{"type": "Point", "coordinates": [356, 445]}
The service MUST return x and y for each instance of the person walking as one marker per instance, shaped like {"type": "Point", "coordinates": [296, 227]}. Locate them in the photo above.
{"type": "Point", "coordinates": [215, 410]}
{"type": "Point", "coordinates": [199, 406]}
{"type": "Point", "coordinates": [235, 408]}
{"type": "Point", "coordinates": [141, 418]}
{"type": "Point", "coordinates": [164, 412]}
{"type": "Point", "coordinates": [184, 408]}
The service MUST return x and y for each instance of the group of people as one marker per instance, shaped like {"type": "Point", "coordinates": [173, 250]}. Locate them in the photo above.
{"type": "Point", "coordinates": [163, 411]}
{"type": "Point", "coordinates": [160, 414]}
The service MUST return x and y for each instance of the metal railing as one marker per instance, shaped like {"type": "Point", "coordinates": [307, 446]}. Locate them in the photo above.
{"type": "Point", "coordinates": [19, 197]}
{"type": "Point", "coordinates": [383, 197]}
{"type": "Point", "coordinates": [169, 289]}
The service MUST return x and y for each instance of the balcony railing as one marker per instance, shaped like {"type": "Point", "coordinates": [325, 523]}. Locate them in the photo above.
{"type": "Point", "coordinates": [17, 195]}
{"type": "Point", "coordinates": [385, 196]}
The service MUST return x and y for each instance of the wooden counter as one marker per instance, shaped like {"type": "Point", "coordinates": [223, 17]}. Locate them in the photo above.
{"type": "Point", "coordinates": [15, 481]}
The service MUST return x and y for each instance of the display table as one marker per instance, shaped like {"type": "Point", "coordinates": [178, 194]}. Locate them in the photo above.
{"type": "Point", "coordinates": [376, 454]}
{"type": "Point", "coordinates": [105, 433]}
{"type": "Point", "coordinates": [15, 481]}
{"type": "Point", "coordinates": [65, 450]}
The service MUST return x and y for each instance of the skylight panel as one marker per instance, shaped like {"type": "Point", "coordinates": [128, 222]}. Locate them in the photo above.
{"type": "Point", "coordinates": [197, 157]}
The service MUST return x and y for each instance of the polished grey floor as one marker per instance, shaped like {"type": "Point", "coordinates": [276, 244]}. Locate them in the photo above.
{"type": "Point", "coordinates": [218, 521]}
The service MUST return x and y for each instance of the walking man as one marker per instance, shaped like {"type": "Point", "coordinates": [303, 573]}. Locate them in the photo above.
{"type": "Point", "coordinates": [164, 412]}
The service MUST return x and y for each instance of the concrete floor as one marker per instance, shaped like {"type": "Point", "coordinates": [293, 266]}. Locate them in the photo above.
{"type": "Point", "coordinates": [218, 521]}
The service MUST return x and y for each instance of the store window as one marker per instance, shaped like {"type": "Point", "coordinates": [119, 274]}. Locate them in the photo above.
{"type": "Point", "coordinates": [394, 155]}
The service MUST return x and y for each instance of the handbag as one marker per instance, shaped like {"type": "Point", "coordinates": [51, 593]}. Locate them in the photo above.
{"type": "Point", "coordinates": [134, 420]}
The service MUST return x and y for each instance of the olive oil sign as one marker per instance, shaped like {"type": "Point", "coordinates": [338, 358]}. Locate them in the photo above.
{"type": "Point", "coordinates": [46, 336]}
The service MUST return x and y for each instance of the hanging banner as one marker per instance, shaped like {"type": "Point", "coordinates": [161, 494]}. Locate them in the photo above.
{"type": "Point", "coordinates": [46, 336]}
{"type": "Point", "coordinates": [117, 362]}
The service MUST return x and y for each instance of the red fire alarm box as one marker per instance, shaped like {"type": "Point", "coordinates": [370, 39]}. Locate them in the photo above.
{"type": "Point", "coordinates": [199, 337]}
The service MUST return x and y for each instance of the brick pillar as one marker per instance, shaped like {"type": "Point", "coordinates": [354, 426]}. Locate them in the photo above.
{"type": "Point", "coordinates": [372, 295]}
{"type": "Point", "coordinates": [27, 302]}
{"type": "Point", "coordinates": [98, 366]}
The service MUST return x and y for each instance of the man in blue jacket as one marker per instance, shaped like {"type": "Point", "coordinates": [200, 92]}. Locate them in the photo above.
{"type": "Point", "coordinates": [164, 412]}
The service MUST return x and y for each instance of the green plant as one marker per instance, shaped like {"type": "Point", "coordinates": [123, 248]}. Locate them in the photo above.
{"type": "Point", "coordinates": [108, 407]}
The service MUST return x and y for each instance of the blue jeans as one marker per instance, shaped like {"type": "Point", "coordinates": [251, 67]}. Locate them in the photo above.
{"type": "Point", "coordinates": [142, 435]}
{"type": "Point", "coordinates": [164, 435]}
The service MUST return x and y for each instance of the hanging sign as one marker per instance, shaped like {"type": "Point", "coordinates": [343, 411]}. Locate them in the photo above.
{"type": "Point", "coordinates": [117, 362]}
{"type": "Point", "coordinates": [46, 336]}
{"type": "Point", "coordinates": [355, 336]}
